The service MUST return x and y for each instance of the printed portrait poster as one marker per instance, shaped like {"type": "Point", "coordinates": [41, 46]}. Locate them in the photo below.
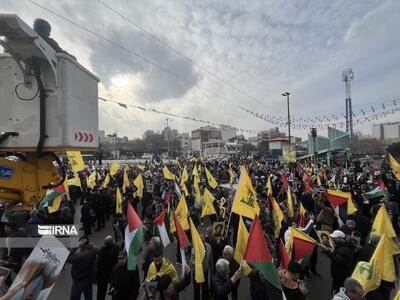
{"type": "Point", "coordinates": [41, 270]}
{"type": "Point", "coordinates": [325, 239]}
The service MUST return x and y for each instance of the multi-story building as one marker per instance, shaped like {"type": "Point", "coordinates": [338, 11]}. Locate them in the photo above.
{"type": "Point", "coordinates": [227, 132]}
{"type": "Point", "coordinates": [185, 143]}
{"type": "Point", "coordinates": [207, 140]}
{"type": "Point", "coordinates": [388, 132]}
{"type": "Point", "coordinates": [170, 134]}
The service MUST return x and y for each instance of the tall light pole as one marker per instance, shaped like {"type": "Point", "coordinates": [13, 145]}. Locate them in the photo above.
{"type": "Point", "coordinates": [286, 94]}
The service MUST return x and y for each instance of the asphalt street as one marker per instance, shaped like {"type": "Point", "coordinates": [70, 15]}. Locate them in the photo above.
{"type": "Point", "coordinates": [319, 289]}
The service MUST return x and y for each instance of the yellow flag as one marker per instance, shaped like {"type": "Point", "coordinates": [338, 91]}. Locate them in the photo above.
{"type": "Point", "coordinates": [231, 175]}
{"type": "Point", "coordinates": [211, 180]}
{"type": "Point", "coordinates": [75, 160]}
{"type": "Point", "coordinates": [245, 201]}
{"type": "Point", "coordinates": [269, 186]}
{"type": "Point", "coordinates": [278, 217]}
{"type": "Point", "coordinates": [397, 296]}
{"type": "Point", "coordinates": [127, 168]}
{"type": "Point", "coordinates": [196, 182]}
{"type": "Point", "coordinates": [138, 182]}
{"type": "Point", "coordinates": [177, 163]}
{"type": "Point", "coordinates": [395, 166]}
{"type": "Point", "coordinates": [208, 207]}
{"type": "Point", "coordinates": [185, 175]}
{"type": "Point", "coordinates": [118, 202]}
{"type": "Point", "coordinates": [184, 189]}
{"type": "Point", "coordinates": [290, 203]}
{"type": "Point", "coordinates": [76, 181]}
{"type": "Point", "coordinates": [172, 227]}
{"type": "Point", "coordinates": [55, 205]}
{"type": "Point", "coordinates": [182, 213]}
{"type": "Point", "coordinates": [91, 180]}
{"type": "Point", "coordinates": [141, 167]}
{"type": "Point", "coordinates": [382, 224]}
{"type": "Point", "coordinates": [126, 183]}
{"type": "Point", "coordinates": [106, 181]}
{"type": "Point", "coordinates": [318, 181]}
{"type": "Point", "coordinates": [199, 253]}
{"type": "Point", "coordinates": [351, 208]}
{"type": "Point", "coordinates": [114, 168]}
{"type": "Point", "coordinates": [380, 267]}
{"type": "Point", "coordinates": [241, 241]}
{"type": "Point", "coordinates": [167, 174]}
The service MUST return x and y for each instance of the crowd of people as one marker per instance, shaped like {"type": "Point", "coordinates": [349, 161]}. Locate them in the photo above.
{"type": "Point", "coordinates": [299, 189]}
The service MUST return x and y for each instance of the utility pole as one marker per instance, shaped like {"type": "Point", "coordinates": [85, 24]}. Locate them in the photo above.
{"type": "Point", "coordinates": [347, 77]}
{"type": "Point", "coordinates": [167, 132]}
{"type": "Point", "coordinates": [314, 135]}
{"type": "Point", "coordinates": [286, 94]}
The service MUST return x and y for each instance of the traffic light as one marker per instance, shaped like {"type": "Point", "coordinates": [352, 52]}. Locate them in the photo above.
{"type": "Point", "coordinates": [314, 132]}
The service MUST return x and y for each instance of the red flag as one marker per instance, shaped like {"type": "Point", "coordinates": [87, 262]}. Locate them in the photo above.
{"type": "Point", "coordinates": [284, 180]}
{"type": "Point", "coordinates": [381, 184]}
{"type": "Point", "coordinates": [298, 168]}
{"type": "Point", "coordinates": [285, 259]}
{"type": "Point", "coordinates": [337, 197]}
{"type": "Point", "coordinates": [308, 188]}
{"type": "Point", "coordinates": [132, 217]}
{"type": "Point", "coordinates": [305, 177]}
{"type": "Point", "coordinates": [182, 238]}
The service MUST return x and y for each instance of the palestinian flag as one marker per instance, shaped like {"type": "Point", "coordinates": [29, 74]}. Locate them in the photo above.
{"type": "Point", "coordinates": [302, 244]}
{"type": "Point", "coordinates": [284, 255]}
{"type": "Point", "coordinates": [183, 242]}
{"type": "Point", "coordinates": [51, 195]}
{"type": "Point", "coordinates": [378, 193]}
{"type": "Point", "coordinates": [133, 236]}
{"type": "Point", "coordinates": [162, 230]}
{"type": "Point", "coordinates": [257, 253]}
{"type": "Point", "coordinates": [337, 197]}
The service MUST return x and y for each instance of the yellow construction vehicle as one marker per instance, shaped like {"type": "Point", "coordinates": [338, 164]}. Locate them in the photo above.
{"type": "Point", "coordinates": [48, 104]}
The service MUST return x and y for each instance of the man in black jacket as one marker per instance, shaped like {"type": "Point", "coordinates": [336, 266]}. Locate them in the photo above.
{"type": "Point", "coordinates": [105, 262]}
{"type": "Point", "coordinates": [15, 256]}
{"type": "Point", "coordinates": [169, 290]}
{"type": "Point", "coordinates": [82, 260]}
{"type": "Point", "coordinates": [343, 260]}
{"type": "Point", "coordinates": [223, 285]}
{"type": "Point", "coordinates": [124, 283]}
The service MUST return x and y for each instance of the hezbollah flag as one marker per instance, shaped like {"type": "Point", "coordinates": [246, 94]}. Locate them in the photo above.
{"type": "Point", "coordinates": [269, 186]}
{"type": "Point", "coordinates": [184, 179]}
{"type": "Point", "coordinates": [290, 202]}
{"type": "Point", "coordinates": [395, 166]}
{"type": "Point", "coordinates": [211, 180]}
{"type": "Point", "coordinates": [167, 174]}
{"type": "Point", "coordinates": [196, 182]}
{"type": "Point", "coordinates": [106, 181]}
{"type": "Point", "coordinates": [199, 253]}
{"type": "Point", "coordinates": [380, 267]}
{"type": "Point", "coordinates": [114, 168]}
{"type": "Point", "coordinates": [138, 183]}
{"type": "Point", "coordinates": [75, 181]}
{"type": "Point", "coordinates": [382, 224]}
{"type": "Point", "coordinates": [75, 160]}
{"type": "Point", "coordinates": [126, 183]}
{"type": "Point", "coordinates": [245, 201]}
{"type": "Point", "coordinates": [133, 236]}
{"type": "Point", "coordinates": [278, 216]}
{"type": "Point", "coordinates": [241, 241]}
{"type": "Point", "coordinates": [397, 297]}
{"type": "Point", "coordinates": [208, 207]}
{"type": "Point", "coordinates": [91, 180]}
{"type": "Point", "coordinates": [302, 244]}
{"type": "Point", "coordinates": [118, 202]}
{"type": "Point", "coordinates": [182, 213]}
{"type": "Point", "coordinates": [257, 253]}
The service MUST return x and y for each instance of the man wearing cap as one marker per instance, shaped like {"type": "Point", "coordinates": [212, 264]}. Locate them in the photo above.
{"type": "Point", "coordinates": [343, 260]}
{"type": "Point", "coordinates": [124, 283]}
{"type": "Point", "coordinates": [82, 260]}
{"type": "Point", "coordinates": [293, 288]}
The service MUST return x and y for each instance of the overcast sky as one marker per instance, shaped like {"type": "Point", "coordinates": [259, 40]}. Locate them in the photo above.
{"type": "Point", "coordinates": [262, 48]}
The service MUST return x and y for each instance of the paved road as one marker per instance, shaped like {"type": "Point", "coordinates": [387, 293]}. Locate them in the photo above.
{"type": "Point", "coordinates": [319, 289]}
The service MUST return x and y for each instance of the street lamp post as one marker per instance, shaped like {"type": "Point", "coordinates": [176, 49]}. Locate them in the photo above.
{"type": "Point", "coordinates": [286, 94]}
